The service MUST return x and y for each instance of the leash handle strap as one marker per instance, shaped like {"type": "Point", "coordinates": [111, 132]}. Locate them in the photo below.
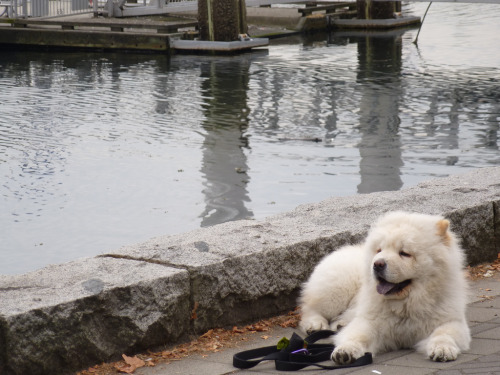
{"type": "Point", "coordinates": [285, 360]}
{"type": "Point", "coordinates": [366, 359]}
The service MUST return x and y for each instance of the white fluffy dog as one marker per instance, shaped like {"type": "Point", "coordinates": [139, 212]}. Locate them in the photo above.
{"type": "Point", "coordinates": [403, 288]}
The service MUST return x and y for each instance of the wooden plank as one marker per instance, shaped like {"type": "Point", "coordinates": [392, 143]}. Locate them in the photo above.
{"type": "Point", "coordinates": [327, 8]}
{"type": "Point", "coordinates": [344, 15]}
{"type": "Point", "coordinates": [84, 39]}
{"type": "Point", "coordinates": [113, 26]}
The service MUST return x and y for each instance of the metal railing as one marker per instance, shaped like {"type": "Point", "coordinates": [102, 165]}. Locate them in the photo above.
{"type": "Point", "coordinates": [46, 8]}
{"type": "Point", "coordinates": [124, 8]}
{"type": "Point", "coordinates": [7, 8]}
{"type": "Point", "coordinates": [114, 8]}
{"type": "Point", "coordinates": [120, 8]}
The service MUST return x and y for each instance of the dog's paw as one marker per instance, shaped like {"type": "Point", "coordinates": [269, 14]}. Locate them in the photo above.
{"type": "Point", "coordinates": [313, 324]}
{"type": "Point", "coordinates": [346, 354]}
{"type": "Point", "coordinates": [443, 353]}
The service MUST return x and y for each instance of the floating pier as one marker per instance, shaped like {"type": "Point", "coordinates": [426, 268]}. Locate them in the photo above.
{"type": "Point", "coordinates": [180, 33]}
{"type": "Point", "coordinates": [221, 47]}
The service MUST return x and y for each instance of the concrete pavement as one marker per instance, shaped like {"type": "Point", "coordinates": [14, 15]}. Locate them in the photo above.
{"type": "Point", "coordinates": [482, 358]}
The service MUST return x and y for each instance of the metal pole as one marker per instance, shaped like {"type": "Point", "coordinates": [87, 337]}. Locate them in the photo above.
{"type": "Point", "coordinates": [210, 21]}
{"type": "Point", "coordinates": [421, 23]}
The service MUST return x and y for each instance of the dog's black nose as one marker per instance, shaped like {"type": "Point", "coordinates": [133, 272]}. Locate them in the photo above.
{"type": "Point", "coordinates": [379, 265]}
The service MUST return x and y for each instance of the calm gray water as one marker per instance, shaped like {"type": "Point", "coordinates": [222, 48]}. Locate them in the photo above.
{"type": "Point", "coordinates": [103, 150]}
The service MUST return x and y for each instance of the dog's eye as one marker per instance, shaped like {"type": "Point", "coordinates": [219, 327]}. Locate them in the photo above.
{"type": "Point", "coordinates": [404, 254]}
{"type": "Point", "coordinates": [378, 251]}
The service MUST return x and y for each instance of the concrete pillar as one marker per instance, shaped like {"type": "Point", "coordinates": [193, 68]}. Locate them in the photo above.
{"type": "Point", "coordinates": [221, 20]}
{"type": "Point", "coordinates": [377, 10]}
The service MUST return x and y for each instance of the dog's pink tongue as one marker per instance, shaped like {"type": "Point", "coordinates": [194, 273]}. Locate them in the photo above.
{"type": "Point", "coordinates": [385, 287]}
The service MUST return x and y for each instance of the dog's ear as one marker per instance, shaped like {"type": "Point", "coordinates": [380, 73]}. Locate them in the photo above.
{"type": "Point", "coordinates": [442, 227]}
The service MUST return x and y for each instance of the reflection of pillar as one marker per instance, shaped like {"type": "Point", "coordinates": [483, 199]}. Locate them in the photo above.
{"type": "Point", "coordinates": [224, 162]}
{"type": "Point", "coordinates": [490, 138]}
{"type": "Point", "coordinates": [380, 146]}
{"type": "Point", "coordinates": [452, 141]}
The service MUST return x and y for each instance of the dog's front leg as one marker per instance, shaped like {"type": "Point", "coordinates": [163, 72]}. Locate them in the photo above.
{"type": "Point", "coordinates": [446, 342]}
{"type": "Point", "coordinates": [353, 342]}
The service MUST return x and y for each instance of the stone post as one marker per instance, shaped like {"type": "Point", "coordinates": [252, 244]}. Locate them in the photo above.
{"type": "Point", "coordinates": [221, 20]}
{"type": "Point", "coordinates": [377, 10]}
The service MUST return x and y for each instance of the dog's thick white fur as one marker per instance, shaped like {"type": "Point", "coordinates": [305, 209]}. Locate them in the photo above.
{"type": "Point", "coordinates": [403, 288]}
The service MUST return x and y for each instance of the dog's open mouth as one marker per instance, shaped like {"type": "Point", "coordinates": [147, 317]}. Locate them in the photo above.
{"type": "Point", "coordinates": [386, 288]}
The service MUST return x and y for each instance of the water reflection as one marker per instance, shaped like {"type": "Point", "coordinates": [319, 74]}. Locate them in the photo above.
{"type": "Point", "coordinates": [379, 71]}
{"type": "Point", "coordinates": [224, 163]}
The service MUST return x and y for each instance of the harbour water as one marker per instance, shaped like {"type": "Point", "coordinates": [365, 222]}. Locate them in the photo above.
{"type": "Point", "coordinates": [100, 150]}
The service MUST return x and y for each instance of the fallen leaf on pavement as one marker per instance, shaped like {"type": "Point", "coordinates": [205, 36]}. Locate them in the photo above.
{"type": "Point", "coordinates": [238, 330]}
{"type": "Point", "coordinates": [131, 364]}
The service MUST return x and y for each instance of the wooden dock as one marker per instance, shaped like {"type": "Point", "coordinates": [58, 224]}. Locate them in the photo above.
{"type": "Point", "coordinates": [93, 33]}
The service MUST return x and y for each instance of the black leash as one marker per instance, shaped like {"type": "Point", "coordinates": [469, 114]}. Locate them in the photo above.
{"type": "Point", "coordinates": [296, 354]}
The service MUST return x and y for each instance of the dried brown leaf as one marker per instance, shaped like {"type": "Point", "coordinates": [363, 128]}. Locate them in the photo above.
{"type": "Point", "coordinates": [208, 333]}
{"type": "Point", "coordinates": [193, 312]}
{"type": "Point", "coordinates": [238, 330]}
{"type": "Point", "coordinates": [131, 364]}
{"type": "Point", "coordinates": [289, 323]}
{"type": "Point", "coordinates": [133, 361]}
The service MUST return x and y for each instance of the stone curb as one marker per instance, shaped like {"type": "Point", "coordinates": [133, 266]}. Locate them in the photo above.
{"type": "Point", "coordinates": [69, 316]}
